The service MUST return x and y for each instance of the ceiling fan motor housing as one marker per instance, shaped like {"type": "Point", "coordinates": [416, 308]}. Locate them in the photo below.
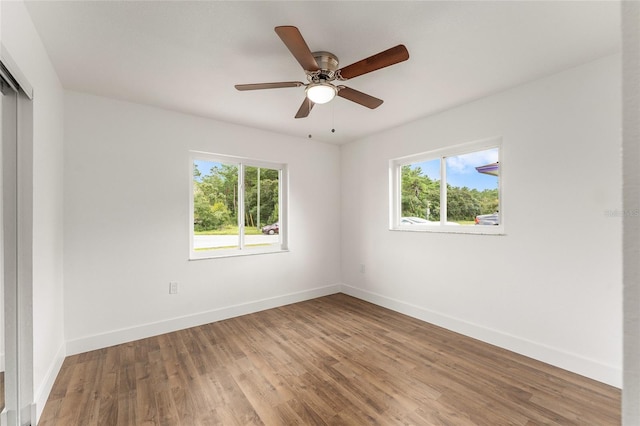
{"type": "Point", "coordinates": [328, 64]}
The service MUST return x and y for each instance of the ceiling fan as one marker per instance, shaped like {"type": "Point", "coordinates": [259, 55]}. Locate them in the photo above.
{"type": "Point", "coordinates": [322, 69]}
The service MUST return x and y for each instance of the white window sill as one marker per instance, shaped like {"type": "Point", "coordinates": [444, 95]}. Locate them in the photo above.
{"type": "Point", "coordinates": [211, 254]}
{"type": "Point", "coordinates": [449, 229]}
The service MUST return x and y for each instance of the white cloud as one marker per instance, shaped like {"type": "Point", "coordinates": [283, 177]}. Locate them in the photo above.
{"type": "Point", "coordinates": [467, 163]}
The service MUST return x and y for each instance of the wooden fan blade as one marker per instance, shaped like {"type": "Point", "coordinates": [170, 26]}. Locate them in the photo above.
{"type": "Point", "coordinates": [298, 47]}
{"type": "Point", "coordinates": [305, 108]}
{"type": "Point", "coordinates": [259, 86]}
{"type": "Point", "coordinates": [383, 59]}
{"type": "Point", "coordinates": [359, 97]}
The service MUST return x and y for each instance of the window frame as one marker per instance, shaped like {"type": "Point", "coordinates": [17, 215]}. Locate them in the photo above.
{"type": "Point", "coordinates": [441, 154]}
{"type": "Point", "coordinates": [283, 202]}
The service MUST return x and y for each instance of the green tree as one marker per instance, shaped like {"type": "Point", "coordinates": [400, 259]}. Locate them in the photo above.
{"type": "Point", "coordinates": [214, 197]}
{"type": "Point", "coordinates": [489, 201]}
{"type": "Point", "coordinates": [268, 196]}
{"type": "Point", "coordinates": [420, 197]}
{"type": "Point", "coordinates": [420, 194]}
{"type": "Point", "coordinates": [461, 203]}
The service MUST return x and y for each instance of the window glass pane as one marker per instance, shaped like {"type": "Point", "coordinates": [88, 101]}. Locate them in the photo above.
{"type": "Point", "coordinates": [215, 217]}
{"type": "Point", "coordinates": [261, 207]}
{"type": "Point", "coordinates": [472, 188]}
{"type": "Point", "coordinates": [420, 183]}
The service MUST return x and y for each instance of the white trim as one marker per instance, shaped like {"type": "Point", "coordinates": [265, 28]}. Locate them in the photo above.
{"type": "Point", "coordinates": [573, 362]}
{"type": "Point", "coordinates": [189, 224]}
{"type": "Point", "coordinates": [240, 210]}
{"type": "Point", "coordinates": [251, 251]}
{"type": "Point", "coordinates": [449, 151]}
{"type": "Point", "coordinates": [15, 71]}
{"type": "Point", "coordinates": [124, 335]}
{"type": "Point", "coordinates": [233, 159]}
{"type": "Point", "coordinates": [283, 206]}
{"type": "Point", "coordinates": [43, 391]}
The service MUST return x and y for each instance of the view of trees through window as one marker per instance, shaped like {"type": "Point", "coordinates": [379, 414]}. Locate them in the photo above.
{"type": "Point", "coordinates": [471, 189]}
{"type": "Point", "coordinates": [216, 206]}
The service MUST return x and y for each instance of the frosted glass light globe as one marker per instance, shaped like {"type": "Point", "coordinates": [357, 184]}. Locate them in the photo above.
{"type": "Point", "coordinates": [321, 93]}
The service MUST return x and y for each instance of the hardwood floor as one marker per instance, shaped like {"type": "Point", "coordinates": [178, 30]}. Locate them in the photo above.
{"type": "Point", "coordinates": [335, 360]}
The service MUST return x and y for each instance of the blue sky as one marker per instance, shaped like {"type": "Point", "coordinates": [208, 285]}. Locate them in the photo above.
{"type": "Point", "coordinates": [205, 167]}
{"type": "Point", "coordinates": [461, 169]}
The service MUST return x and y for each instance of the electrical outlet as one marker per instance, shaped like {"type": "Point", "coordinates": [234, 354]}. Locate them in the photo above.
{"type": "Point", "coordinates": [173, 287]}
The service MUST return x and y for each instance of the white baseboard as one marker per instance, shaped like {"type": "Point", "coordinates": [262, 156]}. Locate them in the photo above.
{"type": "Point", "coordinates": [125, 335]}
{"type": "Point", "coordinates": [43, 391]}
{"type": "Point", "coordinates": [608, 374]}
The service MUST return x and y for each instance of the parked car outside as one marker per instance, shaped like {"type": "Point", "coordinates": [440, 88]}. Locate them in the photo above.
{"type": "Point", "coordinates": [274, 228]}
{"type": "Point", "coordinates": [411, 220]}
{"type": "Point", "coordinates": [488, 219]}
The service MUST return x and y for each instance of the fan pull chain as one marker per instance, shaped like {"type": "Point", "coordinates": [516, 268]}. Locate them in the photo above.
{"type": "Point", "coordinates": [333, 117]}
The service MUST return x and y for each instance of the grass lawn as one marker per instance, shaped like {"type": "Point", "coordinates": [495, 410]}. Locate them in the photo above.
{"type": "Point", "coordinates": [230, 230]}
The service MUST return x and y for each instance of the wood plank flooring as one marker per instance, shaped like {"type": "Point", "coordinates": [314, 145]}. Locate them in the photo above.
{"type": "Point", "coordinates": [335, 360]}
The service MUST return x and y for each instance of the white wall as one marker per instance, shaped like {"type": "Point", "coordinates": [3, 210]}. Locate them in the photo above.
{"type": "Point", "coordinates": [25, 47]}
{"type": "Point", "coordinates": [127, 233]}
{"type": "Point", "coordinates": [631, 167]}
{"type": "Point", "coordinates": [550, 288]}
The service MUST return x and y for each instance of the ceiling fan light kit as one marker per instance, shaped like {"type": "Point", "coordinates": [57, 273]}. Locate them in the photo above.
{"type": "Point", "coordinates": [321, 93]}
{"type": "Point", "coordinates": [321, 68]}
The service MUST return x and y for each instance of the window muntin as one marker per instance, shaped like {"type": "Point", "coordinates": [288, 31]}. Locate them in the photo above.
{"type": "Point", "coordinates": [236, 206]}
{"type": "Point", "coordinates": [453, 190]}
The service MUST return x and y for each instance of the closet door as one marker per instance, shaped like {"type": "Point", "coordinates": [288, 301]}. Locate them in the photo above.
{"type": "Point", "coordinates": [16, 355]}
{"type": "Point", "coordinates": [9, 121]}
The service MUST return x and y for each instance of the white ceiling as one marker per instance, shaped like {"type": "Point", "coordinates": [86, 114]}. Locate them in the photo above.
{"type": "Point", "coordinates": [187, 56]}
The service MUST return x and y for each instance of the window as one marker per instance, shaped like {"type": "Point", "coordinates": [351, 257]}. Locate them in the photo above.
{"type": "Point", "coordinates": [456, 189]}
{"type": "Point", "coordinates": [238, 206]}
